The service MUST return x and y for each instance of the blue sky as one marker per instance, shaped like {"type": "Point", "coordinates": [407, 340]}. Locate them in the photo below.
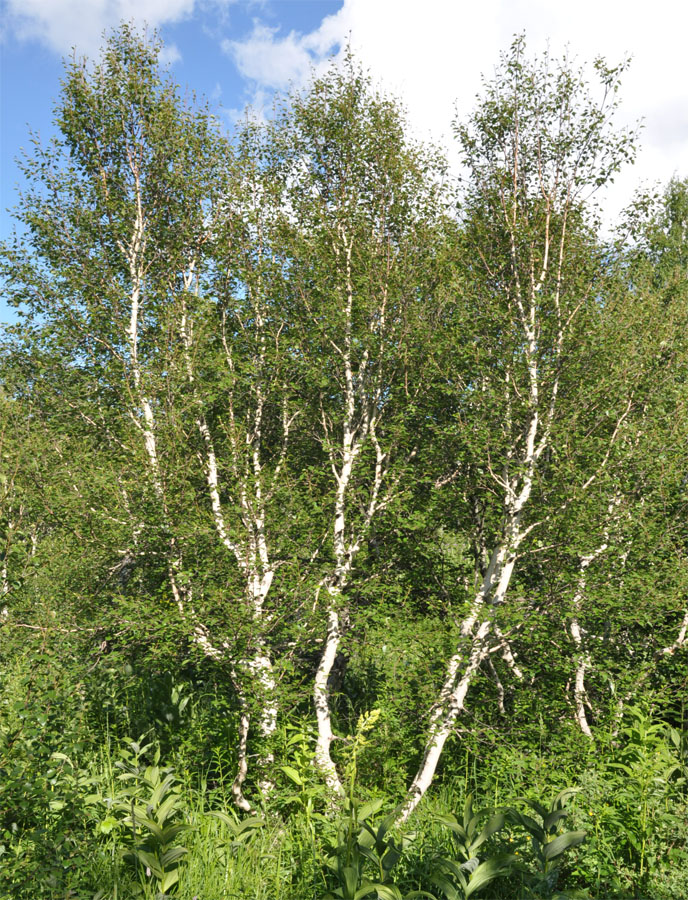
{"type": "Point", "coordinates": [198, 47]}
{"type": "Point", "coordinates": [431, 53]}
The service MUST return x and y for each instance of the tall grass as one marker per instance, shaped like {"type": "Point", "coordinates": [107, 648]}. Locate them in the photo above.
{"type": "Point", "coordinates": [67, 828]}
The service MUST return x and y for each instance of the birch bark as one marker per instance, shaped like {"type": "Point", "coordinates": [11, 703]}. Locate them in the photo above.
{"type": "Point", "coordinates": [241, 485]}
{"type": "Point", "coordinates": [582, 659]}
{"type": "Point", "coordinates": [362, 394]}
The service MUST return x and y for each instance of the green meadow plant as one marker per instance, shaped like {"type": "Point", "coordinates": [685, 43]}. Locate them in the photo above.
{"type": "Point", "coordinates": [146, 814]}
{"type": "Point", "coordinates": [305, 791]}
{"type": "Point", "coordinates": [365, 851]}
{"type": "Point", "coordinates": [463, 873]}
{"type": "Point", "coordinates": [637, 811]}
{"type": "Point", "coordinates": [239, 835]}
{"type": "Point", "coordinates": [365, 854]}
{"type": "Point", "coordinates": [644, 765]}
{"type": "Point", "coordinates": [549, 843]}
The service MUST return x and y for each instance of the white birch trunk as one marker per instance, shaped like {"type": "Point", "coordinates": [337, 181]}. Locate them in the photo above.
{"type": "Point", "coordinates": [443, 717]}
{"type": "Point", "coordinates": [358, 424]}
{"type": "Point", "coordinates": [242, 750]}
{"type": "Point", "coordinates": [465, 663]}
{"type": "Point", "coordinates": [582, 658]}
{"type": "Point", "coordinates": [323, 758]}
{"type": "Point", "coordinates": [250, 550]}
{"type": "Point", "coordinates": [134, 254]}
{"type": "Point", "coordinates": [580, 695]}
{"type": "Point", "coordinates": [680, 639]}
{"type": "Point", "coordinates": [333, 589]}
{"type": "Point", "coordinates": [668, 650]}
{"type": "Point", "coordinates": [345, 549]}
{"type": "Point", "coordinates": [583, 661]}
{"type": "Point", "coordinates": [4, 575]}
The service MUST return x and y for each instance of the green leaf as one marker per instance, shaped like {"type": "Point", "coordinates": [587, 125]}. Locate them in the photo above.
{"type": "Point", "coordinates": [369, 809]}
{"type": "Point", "coordinates": [251, 822]}
{"type": "Point", "coordinates": [172, 855]}
{"type": "Point", "coordinates": [61, 756]}
{"type": "Point", "coordinates": [451, 866]}
{"type": "Point", "coordinates": [388, 892]}
{"type": "Point", "coordinates": [150, 861]}
{"type": "Point", "coordinates": [391, 857]}
{"type": "Point", "coordinates": [489, 870]}
{"type": "Point", "coordinates": [152, 826]}
{"type": "Point", "coordinates": [171, 831]}
{"type": "Point", "coordinates": [468, 810]}
{"type": "Point", "coordinates": [562, 843]}
{"type": "Point", "coordinates": [106, 826]}
{"type": "Point", "coordinates": [162, 788]}
{"type": "Point", "coordinates": [366, 837]}
{"type": "Point", "coordinates": [291, 772]}
{"type": "Point", "coordinates": [350, 878]}
{"type": "Point", "coordinates": [223, 817]}
{"type": "Point", "coordinates": [365, 891]}
{"type": "Point", "coordinates": [564, 795]}
{"type": "Point", "coordinates": [493, 825]}
{"type": "Point", "coordinates": [169, 879]}
{"type": "Point", "coordinates": [167, 807]}
{"type": "Point", "coordinates": [553, 818]}
{"type": "Point", "coordinates": [571, 894]}
{"type": "Point", "coordinates": [538, 807]}
{"type": "Point", "coordinates": [531, 826]}
{"type": "Point", "coordinates": [445, 885]}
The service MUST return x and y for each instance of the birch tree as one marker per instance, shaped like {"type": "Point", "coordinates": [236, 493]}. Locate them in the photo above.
{"type": "Point", "coordinates": [366, 213]}
{"type": "Point", "coordinates": [535, 150]}
{"type": "Point", "coordinates": [240, 392]}
{"type": "Point", "coordinates": [644, 522]}
{"type": "Point", "coordinates": [154, 279]}
{"type": "Point", "coordinates": [18, 525]}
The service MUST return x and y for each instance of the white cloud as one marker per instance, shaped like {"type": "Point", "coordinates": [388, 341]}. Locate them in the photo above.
{"type": "Point", "coordinates": [276, 62]}
{"type": "Point", "coordinates": [66, 24]}
{"type": "Point", "coordinates": [170, 54]}
{"type": "Point", "coordinates": [418, 51]}
{"type": "Point", "coordinates": [432, 54]}
{"type": "Point", "coordinates": [271, 61]}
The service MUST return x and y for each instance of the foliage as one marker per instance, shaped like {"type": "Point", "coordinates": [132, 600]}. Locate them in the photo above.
{"type": "Point", "coordinates": [464, 873]}
{"type": "Point", "coordinates": [548, 842]}
{"type": "Point", "coordinates": [305, 447]}
{"type": "Point", "coordinates": [149, 804]}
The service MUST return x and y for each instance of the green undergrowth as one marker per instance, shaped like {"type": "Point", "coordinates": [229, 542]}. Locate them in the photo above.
{"type": "Point", "coordinates": [119, 823]}
{"type": "Point", "coordinates": [90, 814]}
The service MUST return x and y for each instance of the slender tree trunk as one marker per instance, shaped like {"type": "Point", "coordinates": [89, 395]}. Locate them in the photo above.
{"type": "Point", "coordinates": [444, 715]}
{"type": "Point", "coordinates": [333, 589]}
{"type": "Point", "coordinates": [580, 695]}
{"type": "Point", "coordinates": [474, 647]}
{"type": "Point", "coordinates": [321, 698]}
{"type": "Point", "coordinates": [680, 639]}
{"type": "Point", "coordinates": [4, 575]}
{"type": "Point", "coordinates": [250, 551]}
{"type": "Point", "coordinates": [583, 661]}
{"type": "Point", "coordinates": [357, 424]}
{"type": "Point", "coordinates": [475, 629]}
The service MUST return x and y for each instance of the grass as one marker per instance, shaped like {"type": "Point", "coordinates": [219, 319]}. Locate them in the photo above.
{"type": "Point", "coordinates": [67, 833]}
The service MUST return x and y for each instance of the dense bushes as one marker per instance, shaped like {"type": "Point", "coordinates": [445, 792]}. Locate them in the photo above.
{"type": "Point", "coordinates": [89, 811]}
